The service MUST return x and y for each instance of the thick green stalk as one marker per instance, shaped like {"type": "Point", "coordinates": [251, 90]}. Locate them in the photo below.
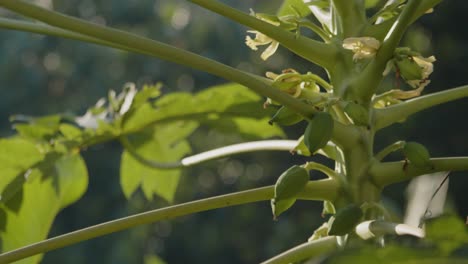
{"type": "Point", "coordinates": [392, 114]}
{"type": "Point", "coordinates": [385, 173]}
{"type": "Point", "coordinates": [314, 51]}
{"type": "Point", "coordinates": [316, 190]}
{"type": "Point", "coordinates": [351, 16]}
{"type": "Point", "coordinates": [305, 251]}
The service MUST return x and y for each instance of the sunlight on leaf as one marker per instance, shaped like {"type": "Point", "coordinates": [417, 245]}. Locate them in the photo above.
{"type": "Point", "coordinates": [43, 196]}
{"type": "Point", "coordinates": [289, 7]}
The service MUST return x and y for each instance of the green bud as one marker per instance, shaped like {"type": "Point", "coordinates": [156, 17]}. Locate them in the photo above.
{"type": "Point", "coordinates": [318, 132]}
{"type": "Point", "coordinates": [417, 155]}
{"type": "Point", "coordinates": [286, 117]}
{"type": "Point", "coordinates": [345, 220]}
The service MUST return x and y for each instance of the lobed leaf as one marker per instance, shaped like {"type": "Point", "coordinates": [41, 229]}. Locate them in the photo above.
{"type": "Point", "coordinates": [163, 143]}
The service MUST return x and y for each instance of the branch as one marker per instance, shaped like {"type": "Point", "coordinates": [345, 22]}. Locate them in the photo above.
{"type": "Point", "coordinates": [316, 190]}
{"type": "Point", "coordinates": [157, 49]}
{"type": "Point", "coordinates": [15, 24]}
{"type": "Point", "coordinates": [304, 251]}
{"type": "Point", "coordinates": [389, 115]}
{"type": "Point", "coordinates": [312, 50]}
{"type": "Point", "coordinates": [387, 173]}
{"type": "Point", "coordinates": [281, 145]}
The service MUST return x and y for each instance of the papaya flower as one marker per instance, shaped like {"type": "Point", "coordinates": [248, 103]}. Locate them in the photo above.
{"type": "Point", "coordinates": [427, 67]}
{"type": "Point", "coordinates": [362, 47]}
{"type": "Point", "coordinates": [262, 39]}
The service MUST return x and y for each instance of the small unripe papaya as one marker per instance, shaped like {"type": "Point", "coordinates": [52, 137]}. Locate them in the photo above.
{"type": "Point", "coordinates": [291, 182]}
{"type": "Point", "coordinates": [417, 154]}
{"type": "Point", "coordinates": [286, 117]}
{"type": "Point", "coordinates": [280, 206]}
{"type": "Point", "coordinates": [345, 220]}
{"type": "Point", "coordinates": [319, 131]}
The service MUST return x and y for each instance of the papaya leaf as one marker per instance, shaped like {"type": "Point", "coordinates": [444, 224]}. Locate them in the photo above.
{"type": "Point", "coordinates": [17, 155]}
{"type": "Point", "coordinates": [43, 196]}
{"type": "Point", "coordinates": [42, 128]}
{"type": "Point", "coordinates": [162, 143]}
{"type": "Point", "coordinates": [229, 100]}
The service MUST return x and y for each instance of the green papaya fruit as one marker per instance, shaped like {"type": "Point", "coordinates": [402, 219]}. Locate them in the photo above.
{"type": "Point", "coordinates": [417, 154]}
{"type": "Point", "coordinates": [280, 206]}
{"type": "Point", "coordinates": [286, 117]}
{"type": "Point", "coordinates": [291, 182]}
{"type": "Point", "coordinates": [345, 220]}
{"type": "Point", "coordinates": [319, 131]}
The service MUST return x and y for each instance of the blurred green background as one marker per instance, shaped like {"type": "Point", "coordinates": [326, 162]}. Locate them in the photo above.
{"type": "Point", "coordinates": [42, 75]}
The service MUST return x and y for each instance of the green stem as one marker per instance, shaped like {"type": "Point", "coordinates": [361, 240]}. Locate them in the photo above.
{"type": "Point", "coordinates": [314, 77]}
{"type": "Point", "coordinates": [316, 190]}
{"type": "Point", "coordinates": [305, 251]}
{"type": "Point", "coordinates": [389, 115]}
{"type": "Point", "coordinates": [316, 29]}
{"type": "Point", "coordinates": [385, 173]}
{"type": "Point", "coordinates": [389, 149]}
{"type": "Point", "coordinates": [322, 168]}
{"type": "Point", "coordinates": [312, 50]}
{"type": "Point", "coordinates": [15, 24]}
{"type": "Point", "coordinates": [351, 15]}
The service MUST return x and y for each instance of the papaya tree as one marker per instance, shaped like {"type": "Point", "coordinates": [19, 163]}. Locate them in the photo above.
{"type": "Point", "coordinates": [357, 43]}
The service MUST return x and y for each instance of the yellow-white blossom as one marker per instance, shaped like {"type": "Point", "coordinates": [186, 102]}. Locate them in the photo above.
{"type": "Point", "coordinates": [427, 67]}
{"type": "Point", "coordinates": [362, 47]}
{"type": "Point", "coordinates": [260, 40]}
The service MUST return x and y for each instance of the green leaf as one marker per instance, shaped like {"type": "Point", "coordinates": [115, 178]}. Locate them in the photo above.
{"type": "Point", "coordinates": [229, 100]}
{"type": "Point", "coordinates": [345, 220]}
{"type": "Point", "coordinates": [289, 7]}
{"type": "Point", "coordinates": [70, 131]}
{"type": "Point", "coordinates": [38, 128]}
{"type": "Point", "coordinates": [17, 155]}
{"type": "Point", "coordinates": [43, 196]}
{"type": "Point", "coordinates": [162, 143]}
